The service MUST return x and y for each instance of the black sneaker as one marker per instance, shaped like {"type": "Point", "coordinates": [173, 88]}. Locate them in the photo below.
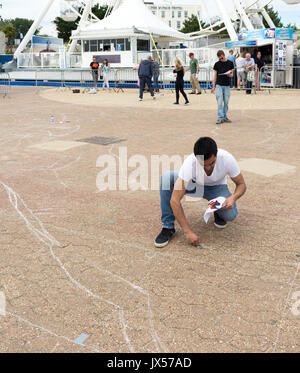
{"type": "Point", "coordinates": [164, 237]}
{"type": "Point", "coordinates": [192, 93]}
{"type": "Point", "coordinates": [199, 93]}
{"type": "Point", "coordinates": [187, 103]}
{"type": "Point", "coordinates": [219, 222]}
{"type": "Point", "coordinates": [176, 103]}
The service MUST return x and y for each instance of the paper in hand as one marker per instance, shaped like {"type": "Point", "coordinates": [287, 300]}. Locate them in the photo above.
{"type": "Point", "coordinates": [227, 73]}
{"type": "Point", "coordinates": [213, 205]}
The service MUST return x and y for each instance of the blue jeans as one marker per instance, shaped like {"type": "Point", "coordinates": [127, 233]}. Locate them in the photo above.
{"type": "Point", "coordinates": [143, 81]}
{"type": "Point", "coordinates": [166, 189]}
{"type": "Point", "coordinates": [155, 81]}
{"type": "Point", "coordinates": [223, 95]}
{"type": "Point", "coordinates": [249, 86]}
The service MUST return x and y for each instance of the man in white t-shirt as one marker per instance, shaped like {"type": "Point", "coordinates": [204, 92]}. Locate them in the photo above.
{"type": "Point", "coordinates": [203, 174]}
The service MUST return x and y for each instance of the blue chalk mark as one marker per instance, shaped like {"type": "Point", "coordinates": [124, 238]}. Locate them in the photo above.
{"type": "Point", "coordinates": [81, 339]}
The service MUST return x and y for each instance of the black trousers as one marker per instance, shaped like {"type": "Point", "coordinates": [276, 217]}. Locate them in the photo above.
{"type": "Point", "coordinates": [179, 88]}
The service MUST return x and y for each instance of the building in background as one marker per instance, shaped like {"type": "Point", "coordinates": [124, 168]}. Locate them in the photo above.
{"type": "Point", "coordinates": [173, 14]}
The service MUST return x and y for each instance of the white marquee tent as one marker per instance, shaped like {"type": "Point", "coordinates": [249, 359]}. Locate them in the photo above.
{"type": "Point", "coordinates": [131, 17]}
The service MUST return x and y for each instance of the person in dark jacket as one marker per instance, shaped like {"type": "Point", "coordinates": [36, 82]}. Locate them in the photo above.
{"type": "Point", "coordinates": [259, 64]}
{"type": "Point", "coordinates": [179, 71]}
{"type": "Point", "coordinates": [145, 73]}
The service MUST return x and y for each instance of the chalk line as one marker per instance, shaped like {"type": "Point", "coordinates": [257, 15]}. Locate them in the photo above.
{"type": "Point", "coordinates": [45, 237]}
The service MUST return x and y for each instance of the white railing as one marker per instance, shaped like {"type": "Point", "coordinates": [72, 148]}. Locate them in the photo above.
{"type": "Point", "coordinates": [4, 84]}
{"type": "Point", "coordinates": [205, 56]}
{"type": "Point", "coordinates": [49, 60]}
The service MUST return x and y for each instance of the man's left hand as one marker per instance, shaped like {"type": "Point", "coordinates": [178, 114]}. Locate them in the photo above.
{"type": "Point", "coordinates": [228, 203]}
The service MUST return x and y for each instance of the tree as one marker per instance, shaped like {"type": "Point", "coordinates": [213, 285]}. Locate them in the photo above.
{"type": "Point", "coordinates": [22, 25]}
{"type": "Point", "coordinates": [10, 32]}
{"type": "Point", "coordinates": [274, 16]}
{"type": "Point", "coordinates": [192, 25]}
{"type": "Point", "coordinates": [65, 29]}
{"type": "Point", "coordinates": [293, 26]}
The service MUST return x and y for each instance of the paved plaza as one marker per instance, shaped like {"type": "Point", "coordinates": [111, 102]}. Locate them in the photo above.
{"type": "Point", "coordinates": [79, 271]}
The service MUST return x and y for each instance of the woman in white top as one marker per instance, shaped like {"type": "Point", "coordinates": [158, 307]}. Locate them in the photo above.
{"type": "Point", "coordinates": [105, 67]}
{"type": "Point", "coordinates": [240, 70]}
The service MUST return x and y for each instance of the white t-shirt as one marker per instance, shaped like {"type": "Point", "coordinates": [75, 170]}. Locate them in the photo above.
{"type": "Point", "coordinates": [240, 62]}
{"type": "Point", "coordinates": [225, 165]}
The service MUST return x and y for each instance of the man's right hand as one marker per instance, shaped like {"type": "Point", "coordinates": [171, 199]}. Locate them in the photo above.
{"type": "Point", "coordinates": [213, 90]}
{"type": "Point", "coordinates": [192, 238]}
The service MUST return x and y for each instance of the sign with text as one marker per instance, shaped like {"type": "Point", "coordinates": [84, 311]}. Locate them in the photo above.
{"type": "Point", "coordinates": [236, 44]}
{"type": "Point", "coordinates": [269, 33]}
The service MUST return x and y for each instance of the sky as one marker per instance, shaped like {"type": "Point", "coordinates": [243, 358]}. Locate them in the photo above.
{"type": "Point", "coordinates": [31, 9]}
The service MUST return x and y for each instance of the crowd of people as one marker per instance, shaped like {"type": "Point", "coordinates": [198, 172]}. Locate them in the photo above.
{"type": "Point", "coordinates": [234, 70]}
{"type": "Point", "coordinates": [247, 70]}
{"type": "Point", "coordinates": [149, 68]}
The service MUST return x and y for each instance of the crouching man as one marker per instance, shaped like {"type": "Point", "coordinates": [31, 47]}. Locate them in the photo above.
{"type": "Point", "coordinates": [204, 173]}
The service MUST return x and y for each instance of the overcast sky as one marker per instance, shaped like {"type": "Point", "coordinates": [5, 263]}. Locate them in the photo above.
{"type": "Point", "coordinates": [31, 9]}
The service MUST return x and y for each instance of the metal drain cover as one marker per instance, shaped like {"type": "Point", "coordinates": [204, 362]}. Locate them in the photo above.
{"type": "Point", "coordinates": [98, 140]}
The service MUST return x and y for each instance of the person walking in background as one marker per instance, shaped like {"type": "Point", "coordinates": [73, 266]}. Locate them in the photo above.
{"type": "Point", "coordinates": [179, 85]}
{"type": "Point", "coordinates": [145, 73]}
{"type": "Point", "coordinates": [240, 70]}
{"type": "Point", "coordinates": [137, 68]}
{"type": "Point", "coordinates": [259, 64]}
{"type": "Point", "coordinates": [249, 66]}
{"type": "Point", "coordinates": [194, 69]}
{"type": "Point", "coordinates": [221, 84]}
{"type": "Point", "coordinates": [105, 67]}
{"type": "Point", "coordinates": [156, 74]}
{"type": "Point", "coordinates": [231, 57]}
{"type": "Point", "coordinates": [94, 70]}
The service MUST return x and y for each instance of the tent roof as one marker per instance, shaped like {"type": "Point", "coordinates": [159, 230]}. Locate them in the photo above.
{"type": "Point", "coordinates": [131, 17]}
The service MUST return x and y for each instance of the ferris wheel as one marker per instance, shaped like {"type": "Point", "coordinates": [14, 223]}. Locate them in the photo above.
{"type": "Point", "coordinates": [247, 14]}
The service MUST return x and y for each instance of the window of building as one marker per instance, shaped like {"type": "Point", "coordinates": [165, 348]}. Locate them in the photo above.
{"type": "Point", "coordinates": [173, 14]}
{"type": "Point", "coordinates": [179, 14]}
{"type": "Point", "coordinates": [100, 45]}
{"type": "Point", "coordinates": [107, 45]}
{"type": "Point", "coordinates": [163, 14]}
{"type": "Point", "coordinates": [178, 25]}
{"type": "Point", "coordinates": [93, 46]}
{"type": "Point", "coordinates": [170, 23]}
{"type": "Point", "coordinates": [120, 45]}
{"type": "Point", "coordinates": [154, 12]}
{"type": "Point", "coordinates": [127, 45]}
{"type": "Point", "coordinates": [186, 14]}
{"type": "Point", "coordinates": [86, 45]}
{"type": "Point", "coordinates": [143, 45]}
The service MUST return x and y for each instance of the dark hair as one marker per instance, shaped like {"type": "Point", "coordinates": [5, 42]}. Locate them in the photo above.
{"type": "Point", "coordinates": [206, 146]}
{"type": "Point", "coordinates": [105, 61]}
{"type": "Point", "coordinates": [220, 53]}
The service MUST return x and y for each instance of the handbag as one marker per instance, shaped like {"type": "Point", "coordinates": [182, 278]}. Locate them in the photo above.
{"type": "Point", "coordinates": [251, 76]}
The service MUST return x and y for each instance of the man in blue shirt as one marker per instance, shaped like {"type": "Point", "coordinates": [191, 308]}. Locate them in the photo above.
{"type": "Point", "coordinates": [249, 65]}
{"type": "Point", "coordinates": [231, 57]}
